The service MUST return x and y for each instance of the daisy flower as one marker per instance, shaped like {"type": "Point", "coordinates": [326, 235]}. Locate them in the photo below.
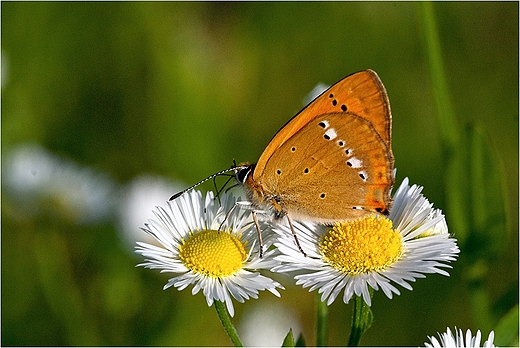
{"type": "Point", "coordinates": [219, 260]}
{"type": "Point", "coordinates": [447, 339]}
{"type": "Point", "coordinates": [374, 250]}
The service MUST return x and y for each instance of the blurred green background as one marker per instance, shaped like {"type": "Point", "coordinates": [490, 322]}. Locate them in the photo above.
{"type": "Point", "coordinates": [115, 91]}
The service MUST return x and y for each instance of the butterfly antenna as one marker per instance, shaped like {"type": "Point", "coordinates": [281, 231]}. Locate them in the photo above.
{"type": "Point", "coordinates": [222, 172]}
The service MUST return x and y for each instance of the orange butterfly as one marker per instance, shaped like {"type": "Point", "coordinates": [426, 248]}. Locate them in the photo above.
{"type": "Point", "coordinates": [331, 162]}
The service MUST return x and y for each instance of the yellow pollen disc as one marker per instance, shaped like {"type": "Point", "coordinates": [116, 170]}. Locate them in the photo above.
{"type": "Point", "coordinates": [213, 253]}
{"type": "Point", "coordinates": [361, 246]}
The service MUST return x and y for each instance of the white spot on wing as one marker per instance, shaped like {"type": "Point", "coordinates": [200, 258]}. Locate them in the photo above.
{"type": "Point", "coordinates": [330, 134]}
{"type": "Point", "coordinates": [363, 175]}
{"type": "Point", "coordinates": [354, 162]}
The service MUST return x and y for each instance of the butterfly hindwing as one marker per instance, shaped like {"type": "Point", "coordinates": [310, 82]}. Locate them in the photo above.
{"type": "Point", "coordinates": [334, 168]}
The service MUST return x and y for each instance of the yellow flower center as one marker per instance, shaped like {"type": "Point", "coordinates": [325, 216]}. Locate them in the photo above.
{"type": "Point", "coordinates": [213, 253]}
{"type": "Point", "coordinates": [361, 246]}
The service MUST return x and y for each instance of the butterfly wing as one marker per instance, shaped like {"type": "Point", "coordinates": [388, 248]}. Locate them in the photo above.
{"type": "Point", "coordinates": [361, 93]}
{"type": "Point", "coordinates": [336, 167]}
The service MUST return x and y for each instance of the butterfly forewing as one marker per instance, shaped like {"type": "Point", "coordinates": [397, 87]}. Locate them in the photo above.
{"type": "Point", "coordinates": [361, 93]}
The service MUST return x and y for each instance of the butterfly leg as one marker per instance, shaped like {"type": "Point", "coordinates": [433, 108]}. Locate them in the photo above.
{"type": "Point", "coordinates": [227, 215]}
{"type": "Point", "coordinates": [295, 236]}
{"type": "Point", "coordinates": [261, 243]}
{"type": "Point", "coordinates": [255, 220]}
{"type": "Point", "coordinates": [241, 204]}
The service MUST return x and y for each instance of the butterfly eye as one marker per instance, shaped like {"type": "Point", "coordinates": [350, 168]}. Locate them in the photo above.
{"type": "Point", "coordinates": [293, 149]}
{"type": "Point", "coordinates": [242, 174]}
{"type": "Point", "coordinates": [278, 171]}
{"type": "Point", "coordinates": [306, 170]}
{"type": "Point", "coordinates": [322, 195]}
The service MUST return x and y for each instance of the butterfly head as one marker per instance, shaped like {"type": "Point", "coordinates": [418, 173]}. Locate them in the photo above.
{"type": "Point", "coordinates": [243, 172]}
{"type": "Point", "coordinates": [244, 177]}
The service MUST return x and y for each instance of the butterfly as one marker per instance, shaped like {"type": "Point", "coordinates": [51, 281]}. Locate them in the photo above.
{"type": "Point", "coordinates": [331, 162]}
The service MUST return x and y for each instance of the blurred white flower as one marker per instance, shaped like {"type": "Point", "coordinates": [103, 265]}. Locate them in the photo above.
{"type": "Point", "coordinates": [137, 200]}
{"type": "Point", "coordinates": [315, 92]}
{"type": "Point", "coordinates": [266, 325]}
{"type": "Point", "coordinates": [34, 176]}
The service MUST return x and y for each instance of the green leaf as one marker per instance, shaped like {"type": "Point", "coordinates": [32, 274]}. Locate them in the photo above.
{"type": "Point", "coordinates": [476, 197]}
{"type": "Point", "coordinates": [475, 190]}
{"type": "Point", "coordinates": [300, 342]}
{"type": "Point", "coordinates": [288, 341]}
{"type": "Point", "coordinates": [506, 332]}
{"type": "Point", "coordinates": [475, 185]}
{"type": "Point", "coordinates": [446, 116]}
{"type": "Point", "coordinates": [476, 213]}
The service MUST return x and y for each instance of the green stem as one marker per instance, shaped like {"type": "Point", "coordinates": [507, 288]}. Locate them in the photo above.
{"type": "Point", "coordinates": [322, 322]}
{"type": "Point", "coordinates": [362, 318]}
{"type": "Point", "coordinates": [227, 324]}
{"type": "Point", "coordinates": [447, 120]}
